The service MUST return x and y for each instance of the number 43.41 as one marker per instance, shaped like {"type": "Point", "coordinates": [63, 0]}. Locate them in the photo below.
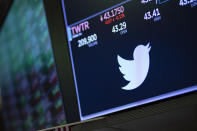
{"type": "Point", "coordinates": [151, 14]}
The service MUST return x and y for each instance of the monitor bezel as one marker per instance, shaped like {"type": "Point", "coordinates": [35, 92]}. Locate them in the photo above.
{"type": "Point", "coordinates": [57, 31]}
{"type": "Point", "coordinates": [57, 26]}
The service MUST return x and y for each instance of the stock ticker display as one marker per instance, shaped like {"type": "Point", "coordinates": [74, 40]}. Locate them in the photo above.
{"type": "Point", "coordinates": [126, 53]}
{"type": "Point", "coordinates": [30, 88]}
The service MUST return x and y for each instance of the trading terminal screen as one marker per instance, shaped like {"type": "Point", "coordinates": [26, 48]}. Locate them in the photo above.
{"type": "Point", "coordinates": [28, 79]}
{"type": "Point", "coordinates": [126, 53]}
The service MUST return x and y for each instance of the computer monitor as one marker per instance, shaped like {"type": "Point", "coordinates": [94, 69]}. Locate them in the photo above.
{"type": "Point", "coordinates": [122, 53]}
{"type": "Point", "coordinates": [29, 82]}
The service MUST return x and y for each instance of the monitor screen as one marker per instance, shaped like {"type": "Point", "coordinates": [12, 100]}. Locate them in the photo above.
{"type": "Point", "coordinates": [126, 53]}
{"type": "Point", "coordinates": [30, 87]}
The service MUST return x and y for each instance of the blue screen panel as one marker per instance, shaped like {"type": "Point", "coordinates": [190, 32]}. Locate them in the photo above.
{"type": "Point", "coordinates": [126, 53]}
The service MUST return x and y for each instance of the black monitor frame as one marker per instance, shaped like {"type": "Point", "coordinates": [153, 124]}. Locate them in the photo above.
{"type": "Point", "coordinates": [58, 33]}
{"type": "Point", "coordinates": [59, 40]}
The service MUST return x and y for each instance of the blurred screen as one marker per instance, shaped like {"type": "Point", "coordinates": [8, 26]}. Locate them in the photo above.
{"type": "Point", "coordinates": [28, 78]}
{"type": "Point", "coordinates": [126, 53]}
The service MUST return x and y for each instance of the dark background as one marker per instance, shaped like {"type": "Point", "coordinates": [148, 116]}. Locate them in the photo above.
{"type": "Point", "coordinates": [172, 57]}
{"type": "Point", "coordinates": [4, 7]}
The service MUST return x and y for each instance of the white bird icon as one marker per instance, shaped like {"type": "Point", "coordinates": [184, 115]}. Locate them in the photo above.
{"type": "Point", "coordinates": [135, 71]}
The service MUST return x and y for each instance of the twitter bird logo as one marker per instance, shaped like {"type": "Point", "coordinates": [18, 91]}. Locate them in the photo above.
{"type": "Point", "coordinates": [136, 70]}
